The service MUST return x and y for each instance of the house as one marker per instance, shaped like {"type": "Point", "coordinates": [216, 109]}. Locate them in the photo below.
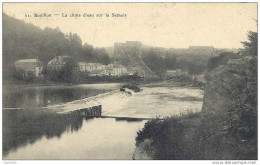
{"type": "Point", "coordinates": [57, 63]}
{"type": "Point", "coordinates": [98, 69]}
{"type": "Point", "coordinates": [115, 70]}
{"type": "Point", "coordinates": [119, 70]}
{"type": "Point", "coordinates": [30, 65]}
{"type": "Point", "coordinates": [88, 67]}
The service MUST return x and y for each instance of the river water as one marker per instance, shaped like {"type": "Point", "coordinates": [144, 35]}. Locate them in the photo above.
{"type": "Point", "coordinates": [32, 97]}
{"type": "Point", "coordinates": [29, 134]}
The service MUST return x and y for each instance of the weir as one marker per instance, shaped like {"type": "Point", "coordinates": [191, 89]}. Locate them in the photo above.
{"type": "Point", "coordinates": [19, 109]}
{"type": "Point", "coordinates": [94, 111]}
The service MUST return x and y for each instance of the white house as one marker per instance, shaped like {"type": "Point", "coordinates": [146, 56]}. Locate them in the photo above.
{"type": "Point", "coordinates": [30, 65]}
{"type": "Point", "coordinates": [115, 70]}
{"type": "Point", "coordinates": [119, 70]}
{"type": "Point", "coordinates": [88, 67]}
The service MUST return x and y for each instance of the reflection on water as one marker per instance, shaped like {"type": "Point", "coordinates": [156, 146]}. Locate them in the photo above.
{"type": "Point", "coordinates": [60, 137]}
{"type": "Point", "coordinates": [23, 127]}
{"type": "Point", "coordinates": [26, 127]}
{"type": "Point", "coordinates": [31, 97]}
{"type": "Point", "coordinates": [33, 134]}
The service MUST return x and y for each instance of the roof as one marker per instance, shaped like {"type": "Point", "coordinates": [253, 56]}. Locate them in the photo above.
{"type": "Point", "coordinates": [89, 63]}
{"type": "Point", "coordinates": [58, 59]}
{"type": "Point", "coordinates": [28, 60]}
{"type": "Point", "coordinates": [119, 66]}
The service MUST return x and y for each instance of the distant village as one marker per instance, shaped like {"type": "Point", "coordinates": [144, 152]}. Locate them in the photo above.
{"type": "Point", "coordinates": [129, 51]}
{"type": "Point", "coordinates": [92, 69]}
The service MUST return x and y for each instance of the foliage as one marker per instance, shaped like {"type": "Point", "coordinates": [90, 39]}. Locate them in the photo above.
{"type": "Point", "coordinates": [221, 59]}
{"type": "Point", "coordinates": [251, 46]}
{"type": "Point", "coordinates": [102, 56]}
{"type": "Point", "coordinates": [167, 137]}
{"type": "Point", "coordinates": [170, 62]}
{"type": "Point", "coordinates": [18, 74]}
{"type": "Point", "coordinates": [193, 64]}
{"type": "Point", "coordinates": [200, 136]}
{"type": "Point", "coordinates": [227, 134]}
{"type": "Point", "coordinates": [68, 72]}
{"type": "Point", "coordinates": [88, 51]}
{"type": "Point", "coordinates": [23, 41]}
{"type": "Point", "coordinates": [30, 76]}
{"type": "Point", "coordinates": [154, 62]}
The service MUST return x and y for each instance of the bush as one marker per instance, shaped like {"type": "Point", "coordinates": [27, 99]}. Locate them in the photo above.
{"type": "Point", "coordinates": [200, 136]}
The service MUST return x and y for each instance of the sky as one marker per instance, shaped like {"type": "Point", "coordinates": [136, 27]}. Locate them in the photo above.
{"type": "Point", "coordinates": [169, 25]}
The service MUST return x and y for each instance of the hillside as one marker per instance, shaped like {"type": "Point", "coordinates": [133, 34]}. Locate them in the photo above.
{"type": "Point", "coordinates": [23, 40]}
{"type": "Point", "coordinates": [129, 55]}
{"type": "Point", "coordinates": [225, 129]}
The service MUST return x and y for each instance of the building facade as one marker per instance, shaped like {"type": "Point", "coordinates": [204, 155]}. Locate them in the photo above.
{"type": "Point", "coordinates": [115, 70]}
{"type": "Point", "coordinates": [30, 65]}
{"type": "Point", "coordinates": [57, 63]}
{"type": "Point", "coordinates": [88, 67]}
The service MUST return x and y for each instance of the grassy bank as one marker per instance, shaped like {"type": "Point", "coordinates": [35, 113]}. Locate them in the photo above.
{"type": "Point", "coordinates": [199, 136]}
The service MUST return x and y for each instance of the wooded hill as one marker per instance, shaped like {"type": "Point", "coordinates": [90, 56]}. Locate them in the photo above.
{"type": "Point", "coordinates": [23, 40]}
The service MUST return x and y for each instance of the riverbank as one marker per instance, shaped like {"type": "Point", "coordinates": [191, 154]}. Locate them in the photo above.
{"type": "Point", "coordinates": [225, 129]}
{"type": "Point", "coordinates": [87, 80]}
{"type": "Point", "coordinates": [181, 80]}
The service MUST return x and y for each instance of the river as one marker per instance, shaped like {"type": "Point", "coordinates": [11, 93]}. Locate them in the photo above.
{"type": "Point", "coordinates": [29, 134]}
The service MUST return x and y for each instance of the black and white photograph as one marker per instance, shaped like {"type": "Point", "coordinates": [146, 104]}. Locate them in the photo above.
{"type": "Point", "coordinates": [130, 81]}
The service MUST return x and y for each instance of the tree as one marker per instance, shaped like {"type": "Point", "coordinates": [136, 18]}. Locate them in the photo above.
{"type": "Point", "coordinates": [222, 59]}
{"type": "Point", "coordinates": [251, 46]}
{"type": "Point", "coordinates": [170, 62]}
{"type": "Point", "coordinates": [154, 62]}
{"type": "Point", "coordinates": [102, 56]}
{"type": "Point", "coordinates": [30, 76]}
{"type": "Point", "coordinates": [75, 45]}
{"type": "Point", "coordinates": [87, 52]}
{"type": "Point", "coordinates": [68, 72]}
{"type": "Point", "coordinates": [18, 74]}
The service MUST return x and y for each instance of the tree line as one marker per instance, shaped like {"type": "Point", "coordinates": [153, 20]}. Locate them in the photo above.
{"type": "Point", "coordinates": [23, 41]}
{"type": "Point", "coordinates": [191, 63]}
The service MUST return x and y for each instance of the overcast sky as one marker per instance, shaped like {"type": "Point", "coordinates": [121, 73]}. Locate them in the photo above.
{"type": "Point", "coordinates": [177, 25]}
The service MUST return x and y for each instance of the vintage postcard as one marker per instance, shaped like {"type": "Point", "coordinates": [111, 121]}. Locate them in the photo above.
{"type": "Point", "coordinates": [129, 81]}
